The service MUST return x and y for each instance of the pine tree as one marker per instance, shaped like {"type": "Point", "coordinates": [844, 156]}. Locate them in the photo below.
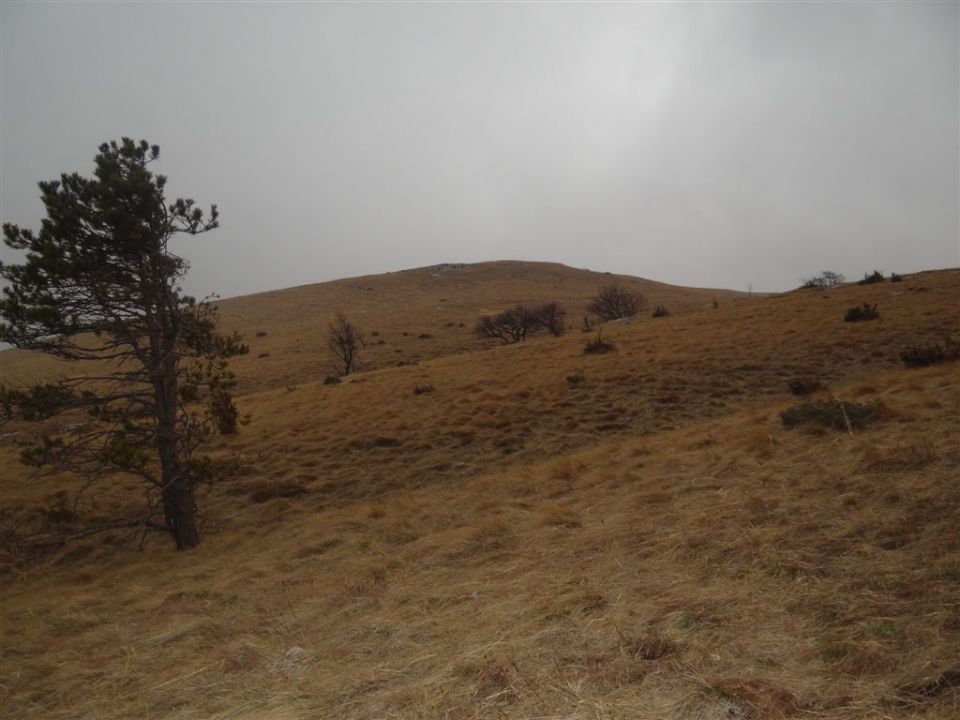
{"type": "Point", "coordinates": [100, 284]}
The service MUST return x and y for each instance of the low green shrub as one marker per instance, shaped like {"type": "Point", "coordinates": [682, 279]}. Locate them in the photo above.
{"type": "Point", "coordinates": [861, 313]}
{"type": "Point", "coordinates": [830, 414]}
{"type": "Point", "coordinates": [924, 355]}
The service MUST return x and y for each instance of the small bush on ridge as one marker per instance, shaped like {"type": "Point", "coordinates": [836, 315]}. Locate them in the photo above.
{"type": "Point", "coordinates": [870, 278]}
{"type": "Point", "coordinates": [826, 279]}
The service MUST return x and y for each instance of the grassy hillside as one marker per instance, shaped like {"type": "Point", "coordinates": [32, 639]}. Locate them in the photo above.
{"type": "Point", "coordinates": [394, 311]}
{"type": "Point", "coordinates": [648, 541]}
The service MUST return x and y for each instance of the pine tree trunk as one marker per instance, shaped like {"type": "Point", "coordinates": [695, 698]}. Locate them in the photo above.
{"type": "Point", "coordinates": [180, 512]}
{"type": "Point", "coordinates": [178, 493]}
{"type": "Point", "coordinates": [178, 488]}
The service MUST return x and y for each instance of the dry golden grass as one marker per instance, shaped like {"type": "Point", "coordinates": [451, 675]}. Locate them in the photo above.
{"type": "Point", "coordinates": [647, 543]}
{"type": "Point", "coordinates": [393, 311]}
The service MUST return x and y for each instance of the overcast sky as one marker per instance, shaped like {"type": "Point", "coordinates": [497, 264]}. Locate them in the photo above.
{"type": "Point", "coordinates": [720, 145]}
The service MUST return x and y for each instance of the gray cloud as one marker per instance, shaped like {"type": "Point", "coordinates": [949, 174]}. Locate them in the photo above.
{"type": "Point", "coordinates": [704, 144]}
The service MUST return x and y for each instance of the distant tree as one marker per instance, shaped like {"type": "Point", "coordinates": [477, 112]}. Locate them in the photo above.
{"type": "Point", "coordinates": [344, 342]}
{"type": "Point", "coordinates": [826, 279]}
{"type": "Point", "coordinates": [614, 302]}
{"type": "Point", "coordinates": [101, 284]}
{"type": "Point", "coordinates": [832, 279]}
{"type": "Point", "coordinates": [510, 326]}
{"type": "Point", "coordinates": [871, 278]}
{"type": "Point", "coordinates": [551, 317]}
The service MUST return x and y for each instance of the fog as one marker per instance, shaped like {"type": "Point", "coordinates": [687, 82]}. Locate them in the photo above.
{"type": "Point", "coordinates": [721, 145]}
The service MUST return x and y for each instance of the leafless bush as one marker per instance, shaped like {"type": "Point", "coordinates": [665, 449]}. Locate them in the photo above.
{"type": "Point", "coordinates": [514, 324]}
{"type": "Point", "coordinates": [552, 318]}
{"type": "Point", "coordinates": [510, 326]}
{"type": "Point", "coordinates": [344, 342]}
{"type": "Point", "coordinates": [613, 302]}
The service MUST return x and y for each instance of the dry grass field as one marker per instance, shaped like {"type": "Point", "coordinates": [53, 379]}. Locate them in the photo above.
{"type": "Point", "coordinates": [545, 534]}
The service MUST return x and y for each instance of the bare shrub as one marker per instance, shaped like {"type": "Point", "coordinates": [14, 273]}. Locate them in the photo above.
{"type": "Point", "coordinates": [551, 318]}
{"type": "Point", "coordinates": [614, 302]}
{"type": "Point", "coordinates": [509, 326]}
{"type": "Point", "coordinates": [344, 342]}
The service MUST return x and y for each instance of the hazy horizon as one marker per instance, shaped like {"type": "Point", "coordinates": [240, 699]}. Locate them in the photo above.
{"type": "Point", "coordinates": [708, 145]}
